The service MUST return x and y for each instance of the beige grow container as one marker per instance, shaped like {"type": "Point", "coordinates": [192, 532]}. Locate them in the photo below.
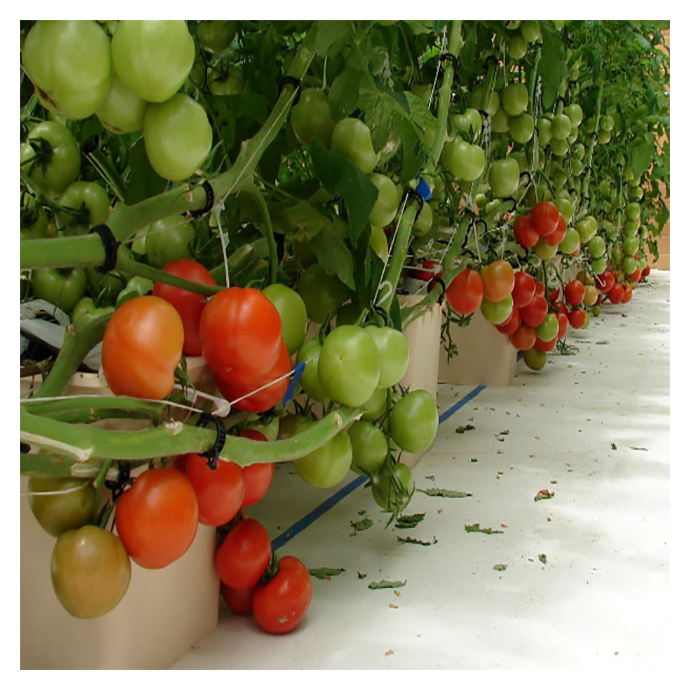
{"type": "Point", "coordinates": [164, 613]}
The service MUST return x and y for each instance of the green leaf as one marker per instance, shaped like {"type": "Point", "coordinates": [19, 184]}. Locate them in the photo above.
{"type": "Point", "coordinates": [445, 493]}
{"type": "Point", "coordinates": [424, 26]}
{"type": "Point", "coordinates": [332, 35]}
{"type": "Point", "coordinates": [553, 67]}
{"type": "Point", "coordinates": [470, 529]}
{"type": "Point", "coordinates": [409, 521]}
{"type": "Point", "coordinates": [418, 542]}
{"type": "Point", "coordinates": [144, 182]}
{"type": "Point", "coordinates": [335, 257]}
{"type": "Point", "coordinates": [469, 50]}
{"type": "Point", "coordinates": [250, 105]}
{"type": "Point", "coordinates": [362, 525]}
{"type": "Point", "coordinates": [342, 177]}
{"type": "Point", "coordinates": [387, 584]}
{"type": "Point", "coordinates": [642, 152]}
{"type": "Point", "coordinates": [344, 93]}
{"type": "Point", "coordinates": [325, 573]}
{"type": "Point", "coordinates": [396, 315]}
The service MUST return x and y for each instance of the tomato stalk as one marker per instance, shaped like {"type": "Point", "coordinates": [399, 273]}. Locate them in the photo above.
{"type": "Point", "coordinates": [391, 277]}
{"type": "Point", "coordinates": [93, 408]}
{"type": "Point", "coordinates": [590, 151]}
{"type": "Point", "coordinates": [108, 173]}
{"type": "Point", "coordinates": [100, 480]}
{"type": "Point", "coordinates": [268, 232]}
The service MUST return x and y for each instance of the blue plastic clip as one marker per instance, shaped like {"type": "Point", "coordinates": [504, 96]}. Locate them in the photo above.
{"type": "Point", "coordinates": [296, 374]}
{"type": "Point", "coordinates": [423, 188]}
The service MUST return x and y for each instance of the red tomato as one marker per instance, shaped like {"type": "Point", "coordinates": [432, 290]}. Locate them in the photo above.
{"type": "Point", "coordinates": [524, 338]}
{"type": "Point", "coordinates": [574, 293]}
{"type": "Point", "coordinates": [646, 271]}
{"type": "Point", "coordinates": [544, 217]}
{"type": "Point", "coordinates": [466, 292]}
{"type": "Point", "coordinates": [280, 605]}
{"type": "Point", "coordinates": [605, 281]}
{"type": "Point", "coordinates": [142, 348]}
{"type": "Point", "coordinates": [257, 477]}
{"type": "Point", "coordinates": [535, 312]}
{"type": "Point", "coordinates": [538, 288]}
{"type": "Point", "coordinates": [157, 518]}
{"type": "Point", "coordinates": [219, 492]}
{"type": "Point", "coordinates": [556, 237]}
{"type": "Point", "coordinates": [627, 293]}
{"type": "Point", "coordinates": [545, 346]}
{"type": "Point", "coordinates": [560, 308]}
{"type": "Point", "coordinates": [616, 294]}
{"type": "Point", "coordinates": [635, 276]}
{"type": "Point", "coordinates": [238, 600]}
{"type": "Point", "coordinates": [498, 279]}
{"type": "Point", "coordinates": [432, 269]}
{"type": "Point", "coordinates": [562, 325]}
{"type": "Point", "coordinates": [262, 400]}
{"type": "Point", "coordinates": [243, 557]}
{"type": "Point", "coordinates": [554, 295]}
{"type": "Point", "coordinates": [511, 324]}
{"type": "Point", "coordinates": [241, 333]}
{"type": "Point", "coordinates": [525, 234]}
{"type": "Point", "coordinates": [188, 305]}
{"type": "Point", "coordinates": [523, 290]}
{"type": "Point", "coordinates": [577, 318]}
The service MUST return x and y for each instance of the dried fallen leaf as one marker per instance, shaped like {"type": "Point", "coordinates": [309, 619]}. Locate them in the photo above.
{"type": "Point", "coordinates": [361, 576]}
{"type": "Point", "coordinates": [504, 526]}
{"type": "Point", "coordinates": [395, 591]}
{"type": "Point", "coordinates": [389, 652]}
{"type": "Point", "coordinates": [463, 429]}
{"type": "Point", "coordinates": [544, 495]}
{"type": "Point", "coordinates": [362, 525]}
{"type": "Point", "coordinates": [393, 606]}
{"type": "Point", "coordinates": [325, 573]}
{"type": "Point", "coordinates": [409, 521]}
{"type": "Point", "coordinates": [387, 584]}
{"type": "Point", "coordinates": [444, 493]}
{"type": "Point", "coordinates": [419, 542]}
{"type": "Point", "coordinates": [484, 530]}
{"type": "Point", "coordinates": [500, 567]}
{"type": "Point", "coordinates": [542, 558]}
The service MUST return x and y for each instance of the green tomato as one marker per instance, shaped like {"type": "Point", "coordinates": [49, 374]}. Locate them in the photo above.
{"type": "Point", "coordinates": [548, 329]}
{"type": "Point", "coordinates": [530, 31]}
{"type": "Point", "coordinates": [92, 199]}
{"type": "Point", "coordinates": [577, 166]}
{"type": "Point", "coordinates": [544, 251]}
{"type": "Point", "coordinates": [617, 254]}
{"type": "Point", "coordinates": [310, 352]}
{"type": "Point", "coordinates": [504, 176]}
{"type": "Point", "coordinates": [521, 158]}
{"type": "Point", "coordinates": [481, 201]}
{"type": "Point", "coordinates": [586, 228]}
{"type": "Point", "coordinates": [349, 366]}
{"type": "Point", "coordinates": [604, 137]}
{"type": "Point", "coordinates": [598, 265]}
{"type": "Point", "coordinates": [227, 82]}
{"type": "Point", "coordinates": [559, 147]}
{"type": "Point", "coordinates": [424, 222]}
{"type": "Point", "coordinates": [123, 111]}
{"type": "Point", "coordinates": [85, 312]}
{"type": "Point", "coordinates": [570, 243]}
{"type": "Point", "coordinates": [631, 245]}
{"type": "Point", "coordinates": [311, 118]}
{"type": "Point", "coordinates": [106, 286]}
{"type": "Point", "coordinates": [323, 295]}
{"type": "Point", "coordinates": [369, 447]}
{"type": "Point", "coordinates": [500, 122]}
{"type": "Point", "coordinates": [414, 422]}
{"type": "Point", "coordinates": [33, 222]}
{"type": "Point", "coordinates": [470, 122]}
{"type": "Point", "coordinates": [293, 314]}
{"type": "Point", "coordinates": [488, 103]}
{"type": "Point", "coordinates": [596, 247]}
{"type": "Point", "coordinates": [178, 137]}
{"type": "Point", "coordinates": [517, 47]}
{"type": "Point", "coordinates": [631, 228]}
{"type": "Point", "coordinates": [560, 126]}
{"type": "Point", "coordinates": [465, 161]}
{"type": "Point", "coordinates": [328, 465]}
{"type": "Point", "coordinates": [69, 64]}
{"type": "Point", "coordinates": [61, 287]}
{"type": "Point", "coordinates": [386, 205]}
{"type": "Point", "coordinates": [632, 211]}
{"type": "Point", "coordinates": [629, 265]}
{"type": "Point", "coordinates": [58, 160]}
{"type": "Point", "coordinates": [394, 354]}
{"type": "Point", "coordinates": [379, 243]}
{"type": "Point", "coordinates": [596, 310]}
{"type": "Point", "coordinates": [635, 193]}
{"type": "Point", "coordinates": [606, 123]}
{"type": "Point", "coordinates": [535, 359]}
{"type": "Point", "coordinates": [216, 35]}
{"type": "Point", "coordinates": [610, 230]}
{"type": "Point", "coordinates": [352, 139]}
{"type": "Point", "coordinates": [642, 262]}
{"type": "Point", "coordinates": [289, 425]}
{"type": "Point", "coordinates": [58, 513]}
{"type": "Point", "coordinates": [497, 312]}
{"type": "Point", "coordinates": [644, 231]}
{"type": "Point", "coordinates": [565, 206]}
{"type": "Point", "coordinates": [376, 405]}
{"type": "Point", "coordinates": [572, 137]}
{"type": "Point", "coordinates": [153, 58]}
{"type": "Point", "coordinates": [578, 152]}
{"type": "Point", "coordinates": [392, 489]}
{"type": "Point", "coordinates": [515, 99]}
{"type": "Point", "coordinates": [268, 426]}
{"type": "Point", "coordinates": [136, 287]}
{"type": "Point", "coordinates": [574, 114]}
{"type": "Point", "coordinates": [169, 240]}
{"type": "Point", "coordinates": [522, 128]}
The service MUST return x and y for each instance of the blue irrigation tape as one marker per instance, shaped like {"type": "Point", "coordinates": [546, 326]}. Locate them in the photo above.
{"type": "Point", "coordinates": [323, 508]}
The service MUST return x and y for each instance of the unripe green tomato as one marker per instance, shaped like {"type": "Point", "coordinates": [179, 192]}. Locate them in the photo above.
{"type": "Point", "coordinates": [310, 353]}
{"type": "Point", "coordinates": [606, 123]}
{"type": "Point", "coordinates": [515, 99]}
{"type": "Point", "coordinates": [635, 193]}
{"type": "Point", "coordinates": [513, 24]}
{"type": "Point", "coordinates": [311, 118]}
{"type": "Point", "coordinates": [383, 492]}
{"type": "Point", "coordinates": [545, 251]}
{"type": "Point", "coordinates": [289, 424]}
{"type": "Point", "coordinates": [572, 137]}
{"type": "Point", "coordinates": [631, 245]}
{"type": "Point", "coordinates": [329, 464]}
{"type": "Point", "coordinates": [469, 122]}
{"type": "Point", "coordinates": [521, 158]}
{"type": "Point", "coordinates": [563, 194]}
{"type": "Point", "coordinates": [560, 126]}
{"type": "Point", "coordinates": [629, 265]}
{"type": "Point", "coordinates": [570, 243]}
{"type": "Point", "coordinates": [565, 206]}
{"type": "Point", "coordinates": [394, 354]}
{"type": "Point", "coordinates": [504, 176]}
{"type": "Point", "coordinates": [369, 447]}
{"type": "Point", "coordinates": [69, 64]}
{"type": "Point", "coordinates": [604, 187]}
{"type": "Point", "coordinates": [216, 35]}
{"type": "Point", "coordinates": [530, 31]}
{"type": "Point", "coordinates": [153, 58]}
{"type": "Point", "coordinates": [490, 104]}
{"type": "Point", "coordinates": [424, 222]}
{"type": "Point", "coordinates": [596, 310]}
{"type": "Point", "coordinates": [89, 197]}
{"type": "Point", "coordinates": [586, 228]}
{"type": "Point", "coordinates": [123, 111]}
{"type": "Point", "coordinates": [560, 179]}
{"type": "Point", "coordinates": [535, 359]}
{"type": "Point", "coordinates": [559, 24]}
{"type": "Point", "coordinates": [544, 130]}
{"type": "Point", "coordinates": [178, 137]}
{"type": "Point", "coordinates": [578, 151]}
{"type": "Point", "coordinates": [604, 137]}
{"type": "Point", "coordinates": [632, 211]}
{"type": "Point", "coordinates": [64, 161]}
{"type": "Point", "coordinates": [376, 405]}
{"type": "Point", "coordinates": [386, 205]}
{"type": "Point", "coordinates": [465, 161]}
{"type": "Point", "coordinates": [577, 167]}
{"type": "Point", "coordinates": [559, 147]}
{"type": "Point", "coordinates": [61, 287]}
{"type": "Point", "coordinates": [168, 240]}
{"type": "Point", "coordinates": [517, 47]}
{"type": "Point", "coordinates": [416, 408]}
{"type": "Point", "coordinates": [574, 73]}
{"type": "Point", "coordinates": [61, 512]}
{"type": "Point", "coordinates": [352, 139]}
{"type": "Point", "coordinates": [293, 314]}
{"type": "Point", "coordinates": [590, 125]}
{"type": "Point", "coordinates": [598, 265]}
{"type": "Point", "coordinates": [610, 230]}
{"type": "Point", "coordinates": [497, 312]}
{"type": "Point", "coordinates": [227, 82]}
{"type": "Point", "coordinates": [548, 329]}
{"type": "Point", "coordinates": [480, 201]}
{"type": "Point", "coordinates": [493, 205]}
{"type": "Point", "coordinates": [574, 113]}
{"type": "Point", "coordinates": [379, 243]}
{"type": "Point", "coordinates": [617, 254]}
{"type": "Point", "coordinates": [631, 228]}
{"type": "Point", "coordinates": [596, 247]}
{"type": "Point", "coordinates": [500, 122]}
{"type": "Point", "coordinates": [642, 262]}
{"type": "Point", "coordinates": [644, 231]}
{"type": "Point", "coordinates": [522, 128]}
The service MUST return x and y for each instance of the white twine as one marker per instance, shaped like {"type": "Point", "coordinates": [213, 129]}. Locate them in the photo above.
{"type": "Point", "coordinates": [224, 238]}
{"type": "Point", "coordinates": [57, 493]}
{"type": "Point", "coordinates": [390, 250]}
{"type": "Point", "coordinates": [444, 44]}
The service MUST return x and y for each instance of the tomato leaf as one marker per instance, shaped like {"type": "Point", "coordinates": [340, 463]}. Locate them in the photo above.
{"type": "Point", "coordinates": [250, 105]}
{"type": "Point", "coordinates": [344, 93]}
{"type": "Point", "coordinates": [463, 429]}
{"type": "Point", "coordinates": [396, 315]}
{"type": "Point", "coordinates": [642, 152]}
{"type": "Point", "coordinates": [542, 558]}
{"type": "Point", "coordinates": [418, 542]}
{"type": "Point", "coordinates": [362, 525]}
{"type": "Point", "coordinates": [387, 584]}
{"type": "Point", "coordinates": [325, 573]}
{"type": "Point", "coordinates": [445, 493]}
{"type": "Point", "coordinates": [342, 177]}
{"type": "Point", "coordinates": [552, 67]}
{"type": "Point", "coordinates": [332, 35]}
{"type": "Point", "coordinates": [334, 257]}
{"type": "Point", "coordinates": [470, 529]}
{"type": "Point", "coordinates": [409, 521]}
{"type": "Point", "coordinates": [143, 181]}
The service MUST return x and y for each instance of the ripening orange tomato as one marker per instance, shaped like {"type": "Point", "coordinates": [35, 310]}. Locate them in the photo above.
{"type": "Point", "coordinates": [498, 279]}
